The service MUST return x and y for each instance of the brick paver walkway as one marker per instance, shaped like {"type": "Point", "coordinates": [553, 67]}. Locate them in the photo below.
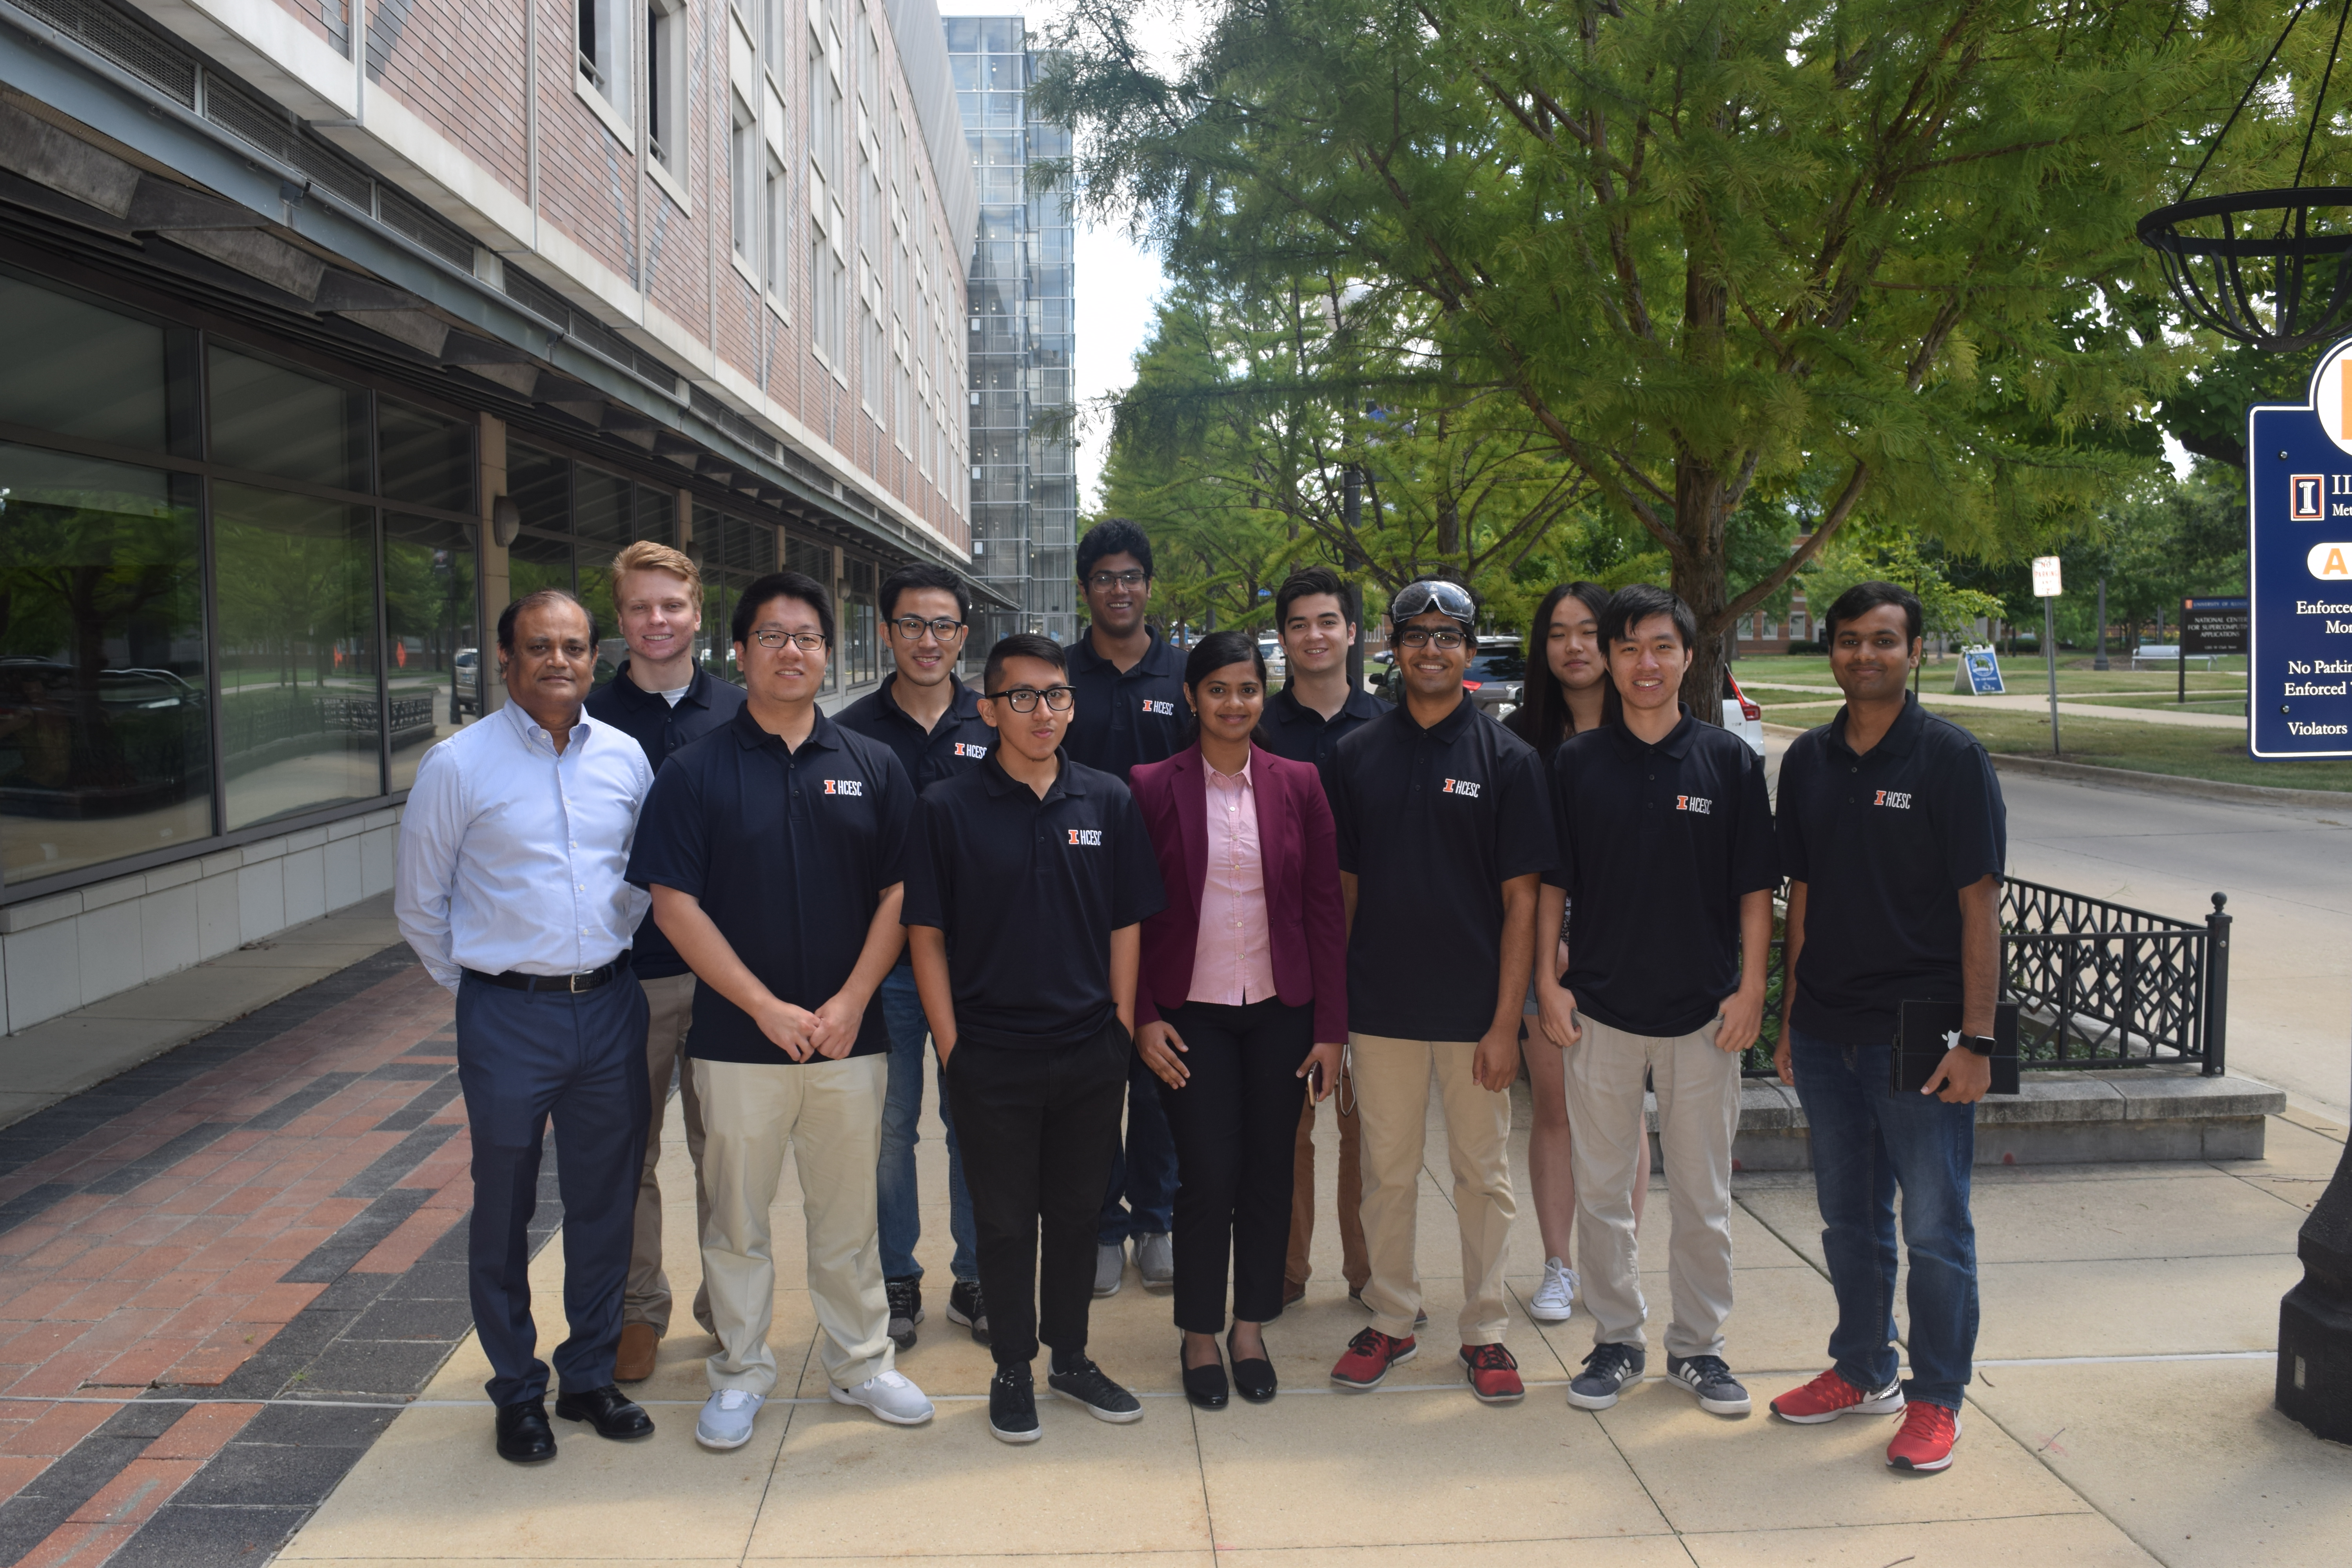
{"type": "Point", "coordinates": [264, 1215]}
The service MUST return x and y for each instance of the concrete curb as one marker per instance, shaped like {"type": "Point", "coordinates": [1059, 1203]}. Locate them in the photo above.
{"type": "Point", "coordinates": [2146, 783]}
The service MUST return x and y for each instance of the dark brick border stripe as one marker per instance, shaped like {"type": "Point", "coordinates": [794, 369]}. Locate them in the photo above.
{"type": "Point", "coordinates": [53, 1497]}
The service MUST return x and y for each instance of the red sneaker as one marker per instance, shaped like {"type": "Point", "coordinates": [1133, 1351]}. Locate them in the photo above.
{"type": "Point", "coordinates": [1925, 1442]}
{"type": "Point", "coordinates": [1494, 1375]}
{"type": "Point", "coordinates": [1370, 1356]}
{"type": "Point", "coordinates": [1830, 1395]}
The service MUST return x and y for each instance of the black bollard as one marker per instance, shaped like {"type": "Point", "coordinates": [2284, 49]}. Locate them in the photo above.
{"type": "Point", "coordinates": [2314, 1364]}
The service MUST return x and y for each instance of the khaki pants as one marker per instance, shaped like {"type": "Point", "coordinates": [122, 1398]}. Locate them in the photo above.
{"type": "Point", "coordinates": [1349, 1199]}
{"type": "Point", "coordinates": [1391, 1079]}
{"type": "Point", "coordinates": [831, 1113]}
{"type": "Point", "coordinates": [1699, 1113]}
{"type": "Point", "coordinates": [669, 1000]}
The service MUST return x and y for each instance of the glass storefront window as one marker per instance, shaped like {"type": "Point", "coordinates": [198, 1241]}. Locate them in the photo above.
{"type": "Point", "coordinates": [535, 561]}
{"type": "Point", "coordinates": [104, 729]}
{"type": "Point", "coordinates": [541, 484]}
{"type": "Point", "coordinates": [426, 461]}
{"type": "Point", "coordinates": [433, 677]}
{"type": "Point", "coordinates": [81, 370]}
{"type": "Point", "coordinates": [277, 421]}
{"type": "Point", "coordinates": [300, 721]}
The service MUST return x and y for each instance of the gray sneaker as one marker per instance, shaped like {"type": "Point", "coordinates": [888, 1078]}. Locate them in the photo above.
{"type": "Point", "coordinates": [1110, 1268]}
{"type": "Point", "coordinates": [1155, 1260]}
{"type": "Point", "coordinates": [727, 1417]}
{"type": "Point", "coordinates": [1719, 1391]}
{"type": "Point", "coordinates": [1607, 1369]}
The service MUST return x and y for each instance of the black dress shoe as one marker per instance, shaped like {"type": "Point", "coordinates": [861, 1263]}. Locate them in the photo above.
{"type": "Point", "coordinates": [1253, 1378]}
{"type": "Point", "coordinates": [524, 1437]}
{"type": "Point", "coordinates": [613, 1413]}
{"type": "Point", "coordinates": [1203, 1385]}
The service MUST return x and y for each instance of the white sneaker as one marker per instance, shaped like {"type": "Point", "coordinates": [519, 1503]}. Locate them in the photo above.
{"type": "Point", "coordinates": [1555, 1298]}
{"type": "Point", "coordinates": [725, 1420]}
{"type": "Point", "coordinates": [890, 1396]}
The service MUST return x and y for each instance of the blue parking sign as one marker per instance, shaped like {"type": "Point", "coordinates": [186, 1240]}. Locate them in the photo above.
{"type": "Point", "coordinates": [2299, 569]}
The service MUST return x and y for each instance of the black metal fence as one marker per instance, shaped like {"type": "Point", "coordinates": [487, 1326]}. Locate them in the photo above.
{"type": "Point", "coordinates": [2097, 984]}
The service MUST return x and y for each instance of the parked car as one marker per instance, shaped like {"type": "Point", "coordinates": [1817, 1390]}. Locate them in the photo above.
{"type": "Point", "coordinates": [1495, 677]}
{"type": "Point", "coordinates": [466, 685]}
{"type": "Point", "coordinates": [1742, 717]}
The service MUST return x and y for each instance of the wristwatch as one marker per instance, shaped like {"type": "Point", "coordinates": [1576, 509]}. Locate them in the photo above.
{"type": "Point", "coordinates": [1982, 1045]}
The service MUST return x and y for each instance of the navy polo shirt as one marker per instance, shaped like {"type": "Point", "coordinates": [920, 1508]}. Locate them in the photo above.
{"type": "Point", "coordinates": [647, 718]}
{"type": "Point", "coordinates": [1119, 720]}
{"type": "Point", "coordinates": [1658, 846]}
{"type": "Point", "coordinates": [1883, 843]}
{"type": "Point", "coordinates": [1293, 730]}
{"type": "Point", "coordinates": [1432, 822]}
{"type": "Point", "coordinates": [1028, 892]}
{"type": "Point", "coordinates": [955, 744]}
{"type": "Point", "coordinates": [789, 853]}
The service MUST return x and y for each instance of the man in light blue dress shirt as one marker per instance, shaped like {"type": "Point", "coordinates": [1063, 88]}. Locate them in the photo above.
{"type": "Point", "coordinates": [511, 890]}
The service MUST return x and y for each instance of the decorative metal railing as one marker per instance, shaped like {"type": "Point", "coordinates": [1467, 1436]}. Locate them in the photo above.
{"type": "Point", "coordinates": [2098, 984]}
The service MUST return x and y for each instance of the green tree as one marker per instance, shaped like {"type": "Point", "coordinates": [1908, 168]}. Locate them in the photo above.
{"type": "Point", "coordinates": [1710, 248]}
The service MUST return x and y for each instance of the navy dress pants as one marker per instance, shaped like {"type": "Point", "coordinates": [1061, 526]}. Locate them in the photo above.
{"type": "Point", "coordinates": [525, 1057]}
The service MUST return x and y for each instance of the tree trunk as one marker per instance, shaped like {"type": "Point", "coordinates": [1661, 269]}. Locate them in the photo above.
{"type": "Point", "coordinates": [1702, 582]}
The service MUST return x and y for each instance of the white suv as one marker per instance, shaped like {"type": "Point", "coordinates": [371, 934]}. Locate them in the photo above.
{"type": "Point", "coordinates": [1742, 717]}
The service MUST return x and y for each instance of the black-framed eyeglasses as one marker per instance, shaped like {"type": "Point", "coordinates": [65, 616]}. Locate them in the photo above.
{"type": "Point", "coordinates": [1432, 593]}
{"type": "Point", "coordinates": [1445, 638]}
{"type": "Point", "coordinates": [912, 627]}
{"type": "Point", "coordinates": [807, 642]}
{"type": "Point", "coordinates": [1023, 698]}
{"type": "Point", "coordinates": [1131, 578]}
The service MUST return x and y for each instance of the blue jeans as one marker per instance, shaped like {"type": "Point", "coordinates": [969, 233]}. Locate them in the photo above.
{"type": "Point", "coordinates": [1142, 1196]}
{"type": "Point", "coordinates": [898, 1214]}
{"type": "Point", "coordinates": [1870, 1141]}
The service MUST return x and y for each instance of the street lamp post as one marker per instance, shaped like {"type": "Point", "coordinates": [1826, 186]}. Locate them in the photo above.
{"type": "Point", "coordinates": [2100, 662]}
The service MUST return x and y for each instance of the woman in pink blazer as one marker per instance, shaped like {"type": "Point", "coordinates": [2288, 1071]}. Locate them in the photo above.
{"type": "Point", "coordinates": [1242, 996]}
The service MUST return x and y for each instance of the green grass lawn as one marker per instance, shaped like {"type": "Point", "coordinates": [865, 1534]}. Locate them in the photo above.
{"type": "Point", "coordinates": [2219, 754]}
{"type": "Point", "coordinates": [2024, 674]}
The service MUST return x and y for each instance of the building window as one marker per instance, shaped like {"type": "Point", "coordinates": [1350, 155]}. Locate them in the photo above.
{"type": "Point", "coordinates": [780, 211]}
{"type": "Point", "coordinates": [603, 49]}
{"type": "Point", "coordinates": [743, 174]}
{"type": "Point", "coordinates": [432, 679]}
{"type": "Point", "coordinates": [664, 82]}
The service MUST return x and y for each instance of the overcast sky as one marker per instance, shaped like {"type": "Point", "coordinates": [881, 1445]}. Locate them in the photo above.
{"type": "Point", "coordinates": [1116, 283]}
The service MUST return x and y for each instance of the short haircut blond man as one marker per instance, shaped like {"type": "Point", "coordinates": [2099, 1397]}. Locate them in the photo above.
{"type": "Point", "coordinates": [647, 556]}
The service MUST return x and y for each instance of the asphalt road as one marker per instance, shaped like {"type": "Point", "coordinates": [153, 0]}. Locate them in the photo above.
{"type": "Point", "coordinates": [2288, 874]}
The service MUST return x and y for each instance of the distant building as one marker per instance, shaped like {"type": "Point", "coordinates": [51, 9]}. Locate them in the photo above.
{"type": "Point", "coordinates": [327, 329]}
{"type": "Point", "coordinates": [1022, 344]}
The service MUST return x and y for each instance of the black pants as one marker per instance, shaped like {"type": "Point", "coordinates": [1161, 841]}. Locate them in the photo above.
{"type": "Point", "coordinates": [1236, 1127]}
{"type": "Point", "coordinates": [1039, 1128]}
{"type": "Point", "coordinates": [525, 1057]}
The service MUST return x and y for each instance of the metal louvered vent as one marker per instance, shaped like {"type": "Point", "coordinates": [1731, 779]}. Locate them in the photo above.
{"type": "Point", "coordinates": [536, 297]}
{"type": "Point", "coordinates": [734, 423]}
{"type": "Point", "coordinates": [112, 35]}
{"type": "Point", "coordinates": [278, 133]}
{"type": "Point", "coordinates": [587, 332]}
{"type": "Point", "coordinates": [427, 228]}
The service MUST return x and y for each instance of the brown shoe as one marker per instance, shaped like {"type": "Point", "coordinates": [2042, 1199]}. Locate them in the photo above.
{"type": "Point", "coordinates": [639, 1343]}
{"type": "Point", "coordinates": [1292, 1293]}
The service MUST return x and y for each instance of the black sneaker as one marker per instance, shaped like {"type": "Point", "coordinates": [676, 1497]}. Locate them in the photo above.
{"type": "Point", "coordinates": [1103, 1400]}
{"type": "Point", "coordinates": [906, 1295]}
{"type": "Point", "coordinates": [1719, 1391]}
{"type": "Point", "coordinates": [965, 1305]}
{"type": "Point", "coordinates": [1607, 1369]}
{"type": "Point", "coordinates": [1013, 1404]}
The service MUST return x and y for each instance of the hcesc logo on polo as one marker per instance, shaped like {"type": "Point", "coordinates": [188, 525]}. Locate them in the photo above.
{"type": "Point", "coordinates": [1898, 799]}
{"type": "Point", "coordinates": [1086, 835]}
{"type": "Point", "coordinates": [967, 749]}
{"type": "Point", "coordinates": [1697, 803]}
{"type": "Point", "coordinates": [1154, 705]}
{"type": "Point", "coordinates": [845, 787]}
{"type": "Point", "coordinates": [1460, 786]}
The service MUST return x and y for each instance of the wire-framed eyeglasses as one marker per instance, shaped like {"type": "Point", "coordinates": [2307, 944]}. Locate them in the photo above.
{"type": "Point", "coordinates": [912, 627]}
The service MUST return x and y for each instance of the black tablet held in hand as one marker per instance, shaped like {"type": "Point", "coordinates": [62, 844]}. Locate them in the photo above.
{"type": "Point", "coordinates": [1928, 1030]}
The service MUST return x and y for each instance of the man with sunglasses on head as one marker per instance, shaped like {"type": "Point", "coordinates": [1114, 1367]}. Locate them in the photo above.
{"type": "Point", "coordinates": [1130, 708]}
{"type": "Point", "coordinates": [1444, 831]}
{"type": "Point", "coordinates": [775, 850]}
{"type": "Point", "coordinates": [931, 720]}
{"type": "Point", "coordinates": [1025, 906]}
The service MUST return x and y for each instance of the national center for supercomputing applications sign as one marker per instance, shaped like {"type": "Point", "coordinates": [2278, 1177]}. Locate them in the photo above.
{"type": "Point", "coordinates": [2299, 569]}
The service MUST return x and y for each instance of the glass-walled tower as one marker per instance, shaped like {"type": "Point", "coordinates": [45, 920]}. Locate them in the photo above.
{"type": "Point", "coordinates": [1024, 488]}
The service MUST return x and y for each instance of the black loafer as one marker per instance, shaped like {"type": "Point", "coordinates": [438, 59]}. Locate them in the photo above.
{"type": "Point", "coordinates": [524, 1436]}
{"type": "Point", "coordinates": [613, 1413]}
{"type": "Point", "coordinates": [1203, 1385]}
{"type": "Point", "coordinates": [1254, 1379]}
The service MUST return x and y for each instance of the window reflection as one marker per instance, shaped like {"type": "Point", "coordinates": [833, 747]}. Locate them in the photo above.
{"type": "Point", "coordinates": [277, 421]}
{"type": "Point", "coordinates": [426, 461]}
{"type": "Point", "coordinates": [300, 712]}
{"type": "Point", "coordinates": [104, 748]}
{"type": "Point", "coordinates": [85, 372]}
{"type": "Point", "coordinates": [434, 674]}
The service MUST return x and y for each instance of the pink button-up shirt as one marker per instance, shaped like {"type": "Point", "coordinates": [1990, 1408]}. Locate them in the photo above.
{"type": "Point", "coordinates": [1232, 960]}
